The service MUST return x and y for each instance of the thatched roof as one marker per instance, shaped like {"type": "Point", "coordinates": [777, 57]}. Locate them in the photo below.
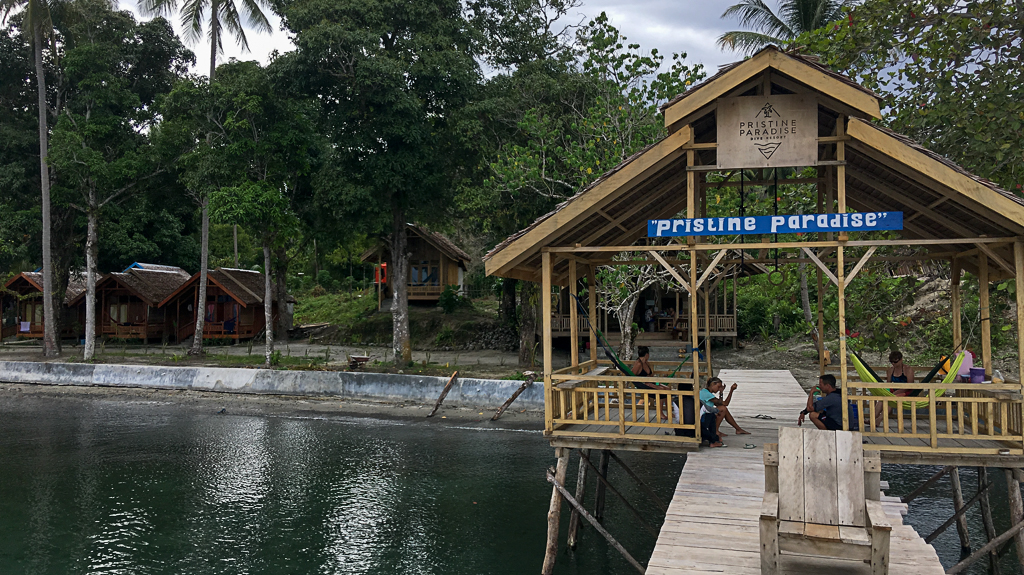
{"type": "Point", "coordinates": [27, 283]}
{"type": "Point", "coordinates": [244, 286]}
{"type": "Point", "coordinates": [441, 242]}
{"type": "Point", "coordinates": [149, 284]}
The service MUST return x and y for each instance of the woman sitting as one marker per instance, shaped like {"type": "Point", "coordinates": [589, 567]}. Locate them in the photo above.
{"type": "Point", "coordinates": [642, 368]}
{"type": "Point", "coordinates": [898, 373]}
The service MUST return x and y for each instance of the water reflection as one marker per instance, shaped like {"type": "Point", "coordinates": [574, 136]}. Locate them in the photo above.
{"type": "Point", "coordinates": [105, 487]}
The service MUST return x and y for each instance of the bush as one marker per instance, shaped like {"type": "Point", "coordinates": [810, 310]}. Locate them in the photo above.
{"type": "Point", "coordinates": [323, 279]}
{"type": "Point", "coordinates": [450, 299]}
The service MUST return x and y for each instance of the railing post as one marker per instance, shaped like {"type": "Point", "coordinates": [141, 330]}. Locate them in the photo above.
{"type": "Point", "coordinates": [932, 423]}
{"type": "Point", "coordinates": [622, 408]}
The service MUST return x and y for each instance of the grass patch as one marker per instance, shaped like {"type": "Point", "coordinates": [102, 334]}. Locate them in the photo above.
{"type": "Point", "coordinates": [336, 309]}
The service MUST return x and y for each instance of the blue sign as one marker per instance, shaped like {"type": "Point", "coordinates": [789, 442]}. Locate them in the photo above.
{"type": "Point", "coordinates": [800, 223]}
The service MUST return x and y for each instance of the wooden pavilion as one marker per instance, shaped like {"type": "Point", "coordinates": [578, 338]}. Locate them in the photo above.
{"type": "Point", "coordinates": [435, 262]}
{"type": "Point", "coordinates": [736, 129]}
{"type": "Point", "coordinates": [234, 305]}
{"type": "Point", "coordinates": [24, 292]}
{"type": "Point", "coordinates": [128, 302]}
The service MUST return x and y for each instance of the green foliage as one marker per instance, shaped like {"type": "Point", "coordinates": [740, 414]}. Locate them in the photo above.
{"type": "Point", "coordinates": [324, 278]}
{"type": "Point", "coordinates": [794, 17]}
{"type": "Point", "coordinates": [451, 300]}
{"type": "Point", "coordinates": [950, 73]}
{"type": "Point", "coordinates": [336, 309]}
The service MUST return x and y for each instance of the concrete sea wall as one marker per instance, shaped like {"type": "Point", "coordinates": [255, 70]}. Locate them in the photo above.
{"type": "Point", "coordinates": [343, 384]}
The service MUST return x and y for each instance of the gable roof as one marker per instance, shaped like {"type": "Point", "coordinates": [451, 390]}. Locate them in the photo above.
{"type": "Point", "coordinates": [442, 243]}
{"type": "Point", "coordinates": [32, 282]}
{"type": "Point", "coordinates": [151, 285]}
{"type": "Point", "coordinates": [244, 286]}
{"type": "Point", "coordinates": [806, 70]}
{"type": "Point", "coordinates": [884, 172]}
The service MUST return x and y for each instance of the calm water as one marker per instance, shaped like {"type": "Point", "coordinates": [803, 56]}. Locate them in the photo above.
{"type": "Point", "coordinates": [118, 487]}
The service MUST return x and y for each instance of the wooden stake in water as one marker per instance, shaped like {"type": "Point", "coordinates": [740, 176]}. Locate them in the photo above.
{"type": "Point", "coordinates": [444, 393]}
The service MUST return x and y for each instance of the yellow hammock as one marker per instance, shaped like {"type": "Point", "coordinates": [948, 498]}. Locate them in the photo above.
{"type": "Point", "coordinates": [866, 377]}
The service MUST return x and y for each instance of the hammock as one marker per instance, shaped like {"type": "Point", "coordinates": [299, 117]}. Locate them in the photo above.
{"type": "Point", "coordinates": [869, 376]}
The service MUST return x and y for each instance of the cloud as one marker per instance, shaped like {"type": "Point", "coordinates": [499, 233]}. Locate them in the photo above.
{"type": "Point", "coordinates": [688, 26]}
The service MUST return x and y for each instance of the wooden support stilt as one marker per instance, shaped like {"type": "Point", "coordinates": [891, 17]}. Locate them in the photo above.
{"type": "Point", "coordinates": [991, 545]}
{"type": "Point", "coordinates": [959, 514]}
{"type": "Point", "coordinates": [602, 471]}
{"type": "Point", "coordinates": [555, 508]}
{"type": "Point", "coordinates": [961, 522]}
{"type": "Point", "coordinates": [444, 394]}
{"type": "Point", "coordinates": [707, 329]}
{"type": "Point", "coordinates": [928, 483]}
{"type": "Point", "coordinates": [590, 519]}
{"type": "Point", "coordinates": [603, 478]}
{"type": "Point", "coordinates": [581, 492]}
{"type": "Point", "coordinates": [986, 519]}
{"type": "Point", "coordinates": [986, 323]}
{"type": "Point", "coordinates": [840, 267]}
{"type": "Point", "coordinates": [954, 301]}
{"type": "Point", "coordinates": [1016, 512]}
{"type": "Point", "coordinates": [650, 492]}
{"type": "Point", "coordinates": [530, 378]}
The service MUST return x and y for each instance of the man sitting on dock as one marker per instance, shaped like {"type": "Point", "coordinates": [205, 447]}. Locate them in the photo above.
{"type": "Point", "coordinates": [826, 412]}
{"type": "Point", "coordinates": [709, 399]}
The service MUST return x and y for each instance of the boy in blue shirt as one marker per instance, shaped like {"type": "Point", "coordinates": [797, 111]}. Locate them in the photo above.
{"type": "Point", "coordinates": [718, 409]}
{"type": "Point", "coordinates": [827, 412]}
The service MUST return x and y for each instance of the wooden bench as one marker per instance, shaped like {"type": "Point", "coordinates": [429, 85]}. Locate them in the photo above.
{"type": "Point", "coordinates": [822, 498]}
{"type": "Point", "coordinates": [572, 383]}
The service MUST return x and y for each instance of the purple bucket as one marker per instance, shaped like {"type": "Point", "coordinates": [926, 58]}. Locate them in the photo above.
{"type": "Point", "coordinates": [977, 375]}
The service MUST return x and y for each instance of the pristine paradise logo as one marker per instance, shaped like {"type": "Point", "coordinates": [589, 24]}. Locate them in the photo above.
{"type": "Point", "coordinates": [767, 130]}
{"type": "Point", "coordinates": [798, 223]}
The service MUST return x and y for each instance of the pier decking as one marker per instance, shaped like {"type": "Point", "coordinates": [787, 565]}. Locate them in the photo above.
{"type": "Point", "coordinates": [712, 522]}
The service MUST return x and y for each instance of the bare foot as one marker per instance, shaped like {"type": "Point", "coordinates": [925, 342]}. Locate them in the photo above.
{"type": "Point", "coordinates": [742, 431]}
{"type": "Point", "coordinates": [722, 434]}
{"type": "Point", "coordinates": [717, 444]}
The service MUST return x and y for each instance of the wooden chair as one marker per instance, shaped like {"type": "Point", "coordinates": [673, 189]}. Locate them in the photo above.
{"type": "Point", "coordinates": [822, 498]}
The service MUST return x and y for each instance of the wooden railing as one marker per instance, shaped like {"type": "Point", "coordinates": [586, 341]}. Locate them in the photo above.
{"type": "Point", "coordinates": [124, 331]}
{"type": "Point", "coordinates": [432, 291]}
{"type": "Point", "coordinates": [564, 322]}
{"type": "Point", "coordinates": [8, 330]}
{"type": "Point", "coordinates": [720, 323]}
{"type": "Point", "coordinates": [607, 406]}
{"type": "Point", "coordinates": [991, 413]}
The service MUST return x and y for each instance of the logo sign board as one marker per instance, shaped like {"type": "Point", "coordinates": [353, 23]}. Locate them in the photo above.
{"type": "Point", "coordinates": [799, 223]}
{"type": "Point", "coordinates": [767, 132]}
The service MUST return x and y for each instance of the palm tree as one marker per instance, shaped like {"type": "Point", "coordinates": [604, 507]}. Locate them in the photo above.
{"type": "Point", "coordinates": [38, 26]}
{"type": "Point", "coordinates": [793, 19]}
{"type": "Point", "coordinates": [221, 14]}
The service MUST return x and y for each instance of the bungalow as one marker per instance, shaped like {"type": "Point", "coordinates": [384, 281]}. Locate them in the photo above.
{"type": "Point", "coordinates": [23, 306]}
{"type": "Point", "coordinates": [435, 263]}
{"type": "Point", "coordinates": [234, 305]}
{"type": "Point", "coordinates": [129, 302]}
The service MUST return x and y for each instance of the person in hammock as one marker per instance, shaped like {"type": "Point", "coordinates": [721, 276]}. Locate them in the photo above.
{"type": "Point", "coordinates": [642, 368]}
{"type": "Point", "coordinates": [898, 373]}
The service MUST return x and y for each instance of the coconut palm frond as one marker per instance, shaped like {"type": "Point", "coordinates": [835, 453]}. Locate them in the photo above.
{"type": "Point", "coordinates": [747, 42]}
{"type": "Point", "coordinates": [806, 15]}
{"type": "Point", "coordinates": [193, 13]}
{"type": "Point", "coordinates": [255, 15]}
{"type": "Point", "coordinates": [230, 19]}
{"type": "Point", "coordinates": [756, 15]}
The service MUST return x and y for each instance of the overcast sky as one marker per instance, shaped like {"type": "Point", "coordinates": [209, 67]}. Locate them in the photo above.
{"type": "Point", "coordinates": [689, 26]}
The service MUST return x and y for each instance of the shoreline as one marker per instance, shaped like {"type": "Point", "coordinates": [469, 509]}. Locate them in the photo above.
{"type": "Point", "coordinates": [274, 405]}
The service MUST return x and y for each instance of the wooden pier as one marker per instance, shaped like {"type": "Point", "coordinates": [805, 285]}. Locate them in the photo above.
{"type": "Point", "coordinates": [712, 521]}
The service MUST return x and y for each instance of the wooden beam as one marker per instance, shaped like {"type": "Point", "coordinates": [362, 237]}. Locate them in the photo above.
{"type": "Point", "coordinates": [1018, 260]}
{"type": "Point", "coordinates": [860, 264]}
{"type": "Point", "coordinates": [616, 222]}
{"type": "Point", "coordinates": [932, 168]}
{"type": "Point", "coordinates": [913, 242]}
{"type": "Point", "coordinates": [655, 159]}
{"type": "Point", "coordinates": [955, 302]}
{"type": "Point", "coordinates": [711, 267]}
{"type": "Point", "coordinates": [694, 343]}
{"type": "Point", "coordinates": [574, 332]}
{"type": "Point", "coordinates": [992, 255]}
{"type": "Point", "coordinates": [671, 269]}
{"type": "Point", "coordinates": [983, 308]}
{"type": "Point", "coordinates": [907, 200]}
{"type": "Point", "coordinates": [841, 170]}
{"type": "Point", "coordinates": [545, 301]}
{"type": "Point", "coordinates": [592, 311]}
{"type": "Point", "coordinates": [821, 266]}
{"type": "Point", "coordinates": [843, 370]}
{"type": "Point", "coordinates": [636, 207]}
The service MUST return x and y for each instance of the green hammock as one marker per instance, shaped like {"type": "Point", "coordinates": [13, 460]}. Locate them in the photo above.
{"type": "Point", "coordinates": [869, 376]}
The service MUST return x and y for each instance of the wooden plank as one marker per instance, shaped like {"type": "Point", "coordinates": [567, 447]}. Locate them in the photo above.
{"type": "Point", "coordinates": [850, 478]}
{"type": "Point", "coordinates": [821, 266]}
{"type": "Point", "coordinates": [791, 475]}
{"type": "Point", "coordinates": [820, 489]}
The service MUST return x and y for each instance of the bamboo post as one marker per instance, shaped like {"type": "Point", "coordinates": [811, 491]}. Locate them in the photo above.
{"type": "Point", "coordinates": [961, 522]}
{"type": "Point", "coordinates": [1012, 532]}
{"type": "Point", "coordinates": [592, 304]}
{"type": "Point", "coordinates": [986, 324]}
{"type": "Point", "coordinates": [954, 283]}
{"type": "Point", "coordinates": [555, 508]}
{"type": "Point", "coordinates": [707, 327]}
{"type": "Point", "coordinates": [602, 471]}
{"type": "Point", "coordinates": [581, 492]}
{"type": "Point", "coordinates": [597, 525]}
{"type": "Point", "coordinates": [694, 341]}
{"type": "Point", "coordinates": [1018, 261]}
{"type": "Point", "coordinates": [1016, 512]}
{"type": "Point", "coordinates": [444, 394]}
{"type": "Point", "coordinates": [735, 326]}
{"type": "Point", "coordinates": [530, 378]}
{"type": "Point", "coordinates": [545, 299]}
{"type": "Point", "coordinates": [574, 330]}
{"type": "Point", "coordinates": [841, 276]}
{"type": "Point", "coordinates": [986, 518]}
{"type": "Point", "coordinates": [841, 171]}
{"type": "Point", "coordinates": [650, 492]}
{"type": "Point", "coordinates": [821, 325]}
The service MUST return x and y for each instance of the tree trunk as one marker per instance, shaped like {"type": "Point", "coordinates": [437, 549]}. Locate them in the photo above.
{"type": "Point", "coordinates": [284, 316]}
{"type": "Point", "coordinates": [204, 261]}
{"type": "Point", "coordinates": [49, 317]}
{"type": "Point", "coordinates": [528, 323]}
{"type": "Point", "coordinates": [399, 271]}
{"type": "Point", "coordinates": [268, 304]}
{"type": "Point", "coordinates": [234, 234]}
{"type": "Point", "coordinates": [628, 337]}
{"type": "Point", "coordinates": [91, 251]}
{"type": "Point", "coordinates": [805, 298]}
{"type": "Point", "coordinates": [507, 308]}
{"type": "Point", "coordinates": [214, 37]}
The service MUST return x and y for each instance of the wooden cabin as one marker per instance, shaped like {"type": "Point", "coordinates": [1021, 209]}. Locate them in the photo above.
{"type": "Point", "coordinates": [23, 306]}
{"type": "Point", "coordinates": [234, 306]}
{"type": "Point", "coordinates": [434, 264]}
{"type": "Point", "coordinates": [128, 302]}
